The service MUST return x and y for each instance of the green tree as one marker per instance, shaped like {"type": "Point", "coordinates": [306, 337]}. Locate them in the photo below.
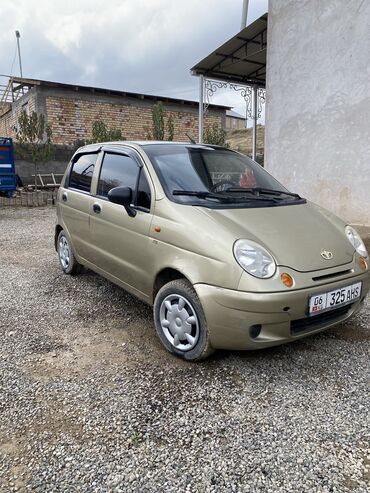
{"type": "Point", "coordinates": [34, 135]}
{"type": "Point", "coordinates": [159, 129]}
{"type": "Point", "coordinates": [101, 133]}
{"type": "Point", "coordinates": [215, 134]}
{"type": "Point", "coordinates": [158, 121]}
{"type": "Point", "coordinates": [170, 128]}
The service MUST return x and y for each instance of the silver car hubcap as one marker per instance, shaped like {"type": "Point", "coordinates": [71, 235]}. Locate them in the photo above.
{"type": "Point", "coordinates": [179, 322]}
{"type": "Point", "coordinates": [64, 254]}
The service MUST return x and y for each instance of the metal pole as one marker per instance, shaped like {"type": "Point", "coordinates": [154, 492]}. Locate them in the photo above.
{"type": "Point", "coordinates": [201, 109]}
{"type": "Point", "coordinates": [17, 35]}
{"type": "Point", "coordinates": [244, 14]}
{"type": "Point", "coordinates": [254, 115]}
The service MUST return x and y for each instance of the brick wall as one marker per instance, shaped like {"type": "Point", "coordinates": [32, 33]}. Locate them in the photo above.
{"type": "Point", "coordinates": [71, 119]}
{"type": "Point", "coordinates": [9, 119]}
{"type": "Point", "coordinates": [71, 114]}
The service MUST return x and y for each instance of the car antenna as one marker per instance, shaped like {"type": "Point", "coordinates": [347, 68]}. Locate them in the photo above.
{"type": "Point", "coordinates": [192, 141]}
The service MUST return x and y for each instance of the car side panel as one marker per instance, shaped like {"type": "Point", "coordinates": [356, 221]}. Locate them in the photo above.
{"type": "Point", "coordinates": [120, 244]}
{"type": "Point", "coordinates": [73, 211]}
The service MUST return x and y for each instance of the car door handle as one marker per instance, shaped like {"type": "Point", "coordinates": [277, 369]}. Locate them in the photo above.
{"type": "Point", "coordinates": [64, 197]}
{"type": "Point", "coordinates": [97, 208]}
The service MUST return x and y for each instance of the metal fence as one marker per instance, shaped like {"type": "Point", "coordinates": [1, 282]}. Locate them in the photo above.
{"type": "Point", "coordinates": [38, 198]}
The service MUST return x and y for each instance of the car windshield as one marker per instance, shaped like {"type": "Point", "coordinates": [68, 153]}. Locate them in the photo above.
{"type": "Point", "coordinates": [215, 177]}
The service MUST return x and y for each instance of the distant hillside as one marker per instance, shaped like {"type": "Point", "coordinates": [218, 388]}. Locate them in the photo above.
{"type": "Point", "coordinates": [241, 140]}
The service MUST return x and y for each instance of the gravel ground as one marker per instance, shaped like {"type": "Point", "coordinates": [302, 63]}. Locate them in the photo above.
{"type": "Point", "coordinates": [90, 402]}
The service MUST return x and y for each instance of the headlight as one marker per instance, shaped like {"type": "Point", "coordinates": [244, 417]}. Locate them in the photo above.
{"type": "Point", "coordinates": [254, 259]}
{"type": "Point", "coordinates": [356, 241]}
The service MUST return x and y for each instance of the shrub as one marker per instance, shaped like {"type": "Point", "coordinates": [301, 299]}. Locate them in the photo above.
{"type": "Point", "coordinates": [101, 133]}
{"type": "Point", "coordinates": [216, 135]}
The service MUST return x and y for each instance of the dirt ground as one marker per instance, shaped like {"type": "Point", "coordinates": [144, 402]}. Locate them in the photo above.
{"type": "Point", "coordinates": [90, 401]}
{"type": "Point", "coordinates": [241, 140]}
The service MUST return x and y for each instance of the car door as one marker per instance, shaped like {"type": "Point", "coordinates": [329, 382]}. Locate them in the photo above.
{"type": "Point", "coordinates": [75, 202]}
{"type": "Point", "coordinates": [121, 242]}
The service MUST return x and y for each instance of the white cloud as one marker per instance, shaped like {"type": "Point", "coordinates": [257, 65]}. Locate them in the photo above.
{"type": "Point", "coordinates": [65, 33]}
{"type": "Point", "coordinates": [138, 45]}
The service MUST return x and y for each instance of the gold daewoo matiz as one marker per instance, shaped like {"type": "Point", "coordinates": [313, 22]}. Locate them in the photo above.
{"type": "Point", "coordinates": [227, 256]}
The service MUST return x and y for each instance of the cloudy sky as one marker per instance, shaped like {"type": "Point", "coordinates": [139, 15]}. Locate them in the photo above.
{"type": "Point", "coordinates": [145, 46]}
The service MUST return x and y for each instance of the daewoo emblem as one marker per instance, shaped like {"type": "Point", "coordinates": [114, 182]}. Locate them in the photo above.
{"type": "Point", "coordinates": [327, 255]}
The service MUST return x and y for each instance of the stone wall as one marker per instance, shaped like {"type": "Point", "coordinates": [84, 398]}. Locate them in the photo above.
{"type": "Point", "coordinates": [318, 102]}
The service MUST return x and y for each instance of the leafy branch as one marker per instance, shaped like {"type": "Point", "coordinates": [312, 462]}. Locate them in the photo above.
{"type": "Point", "coordinates": [35, 136]}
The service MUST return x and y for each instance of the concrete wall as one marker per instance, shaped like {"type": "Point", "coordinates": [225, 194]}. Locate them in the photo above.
{"type": "Point", "coordinates": [232, 123]}
{"type": "Point", "coordinates": [318, 102]}
{"type": "Point", "coordinates": [25, 168]}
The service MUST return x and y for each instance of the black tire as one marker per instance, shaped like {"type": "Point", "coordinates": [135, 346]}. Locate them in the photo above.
{"type": "Point", "coordinates": [69, 266]}
{"type": "Point", "coordinates": [181, 289]}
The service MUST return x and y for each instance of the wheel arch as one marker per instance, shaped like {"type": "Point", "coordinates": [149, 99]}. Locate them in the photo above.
{"type": "Point", "coordinates": [58, 229]}
{"type": "Point", "coordinates": [164, 276]}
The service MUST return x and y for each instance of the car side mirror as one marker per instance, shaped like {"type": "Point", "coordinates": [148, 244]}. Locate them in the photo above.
{"type": "Point", "coordinates": [122, 196]}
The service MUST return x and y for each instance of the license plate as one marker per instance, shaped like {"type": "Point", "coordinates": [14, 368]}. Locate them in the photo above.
{"type": "Point", "coordinates": [332, 299]}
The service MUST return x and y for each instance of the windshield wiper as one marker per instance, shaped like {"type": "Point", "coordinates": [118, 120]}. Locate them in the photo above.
{"type": "Point", "coordinates": [202, 195]}
{"type": "Point", "coordinates": [220, 196]}
{"type": "Point", "coordinates": [258, 190]}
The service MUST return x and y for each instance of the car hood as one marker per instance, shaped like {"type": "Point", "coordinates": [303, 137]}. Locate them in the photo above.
{"type": "Point", "coordinates": [294, 234]}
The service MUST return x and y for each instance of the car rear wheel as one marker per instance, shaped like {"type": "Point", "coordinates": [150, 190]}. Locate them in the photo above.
{"type": "Point", "coordinates": [180, 322]}
{"type": "Point", "coordinates": [67, 260]}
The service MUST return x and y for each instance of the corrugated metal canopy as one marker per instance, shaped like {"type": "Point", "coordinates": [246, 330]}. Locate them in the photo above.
{"type": "Point", "coordinates": [241, 59]}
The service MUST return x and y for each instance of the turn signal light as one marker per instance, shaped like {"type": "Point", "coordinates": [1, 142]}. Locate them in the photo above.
{"type": "Point", "coordinates": [287, 279]}
{"type": "Point", "coordinates": [362, 263]}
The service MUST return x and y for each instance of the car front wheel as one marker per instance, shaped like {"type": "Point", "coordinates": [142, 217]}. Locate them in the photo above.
{"type": "Point", "coordinates": [180, 322]}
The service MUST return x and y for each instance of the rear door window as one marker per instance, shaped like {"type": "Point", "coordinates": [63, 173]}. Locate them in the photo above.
{"type": "Point", "coordinates": [82, 172]}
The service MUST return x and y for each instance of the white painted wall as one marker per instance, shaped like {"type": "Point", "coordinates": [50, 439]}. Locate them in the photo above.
{"type": "Point", "coordinates": [318, 102]}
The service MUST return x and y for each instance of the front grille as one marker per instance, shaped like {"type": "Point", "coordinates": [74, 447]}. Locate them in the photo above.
{"type": "Point", "coordinates": [335, 274]}
{"type": "Point", "coordinates": [310, 323]}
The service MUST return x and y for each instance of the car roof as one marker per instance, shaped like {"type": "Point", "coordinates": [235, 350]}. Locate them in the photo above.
{"type": "Point", "coordinates": [140, 143]}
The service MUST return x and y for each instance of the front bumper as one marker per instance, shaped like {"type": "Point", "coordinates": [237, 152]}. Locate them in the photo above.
{"type": "Point", "coordinates": [235, 317]}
